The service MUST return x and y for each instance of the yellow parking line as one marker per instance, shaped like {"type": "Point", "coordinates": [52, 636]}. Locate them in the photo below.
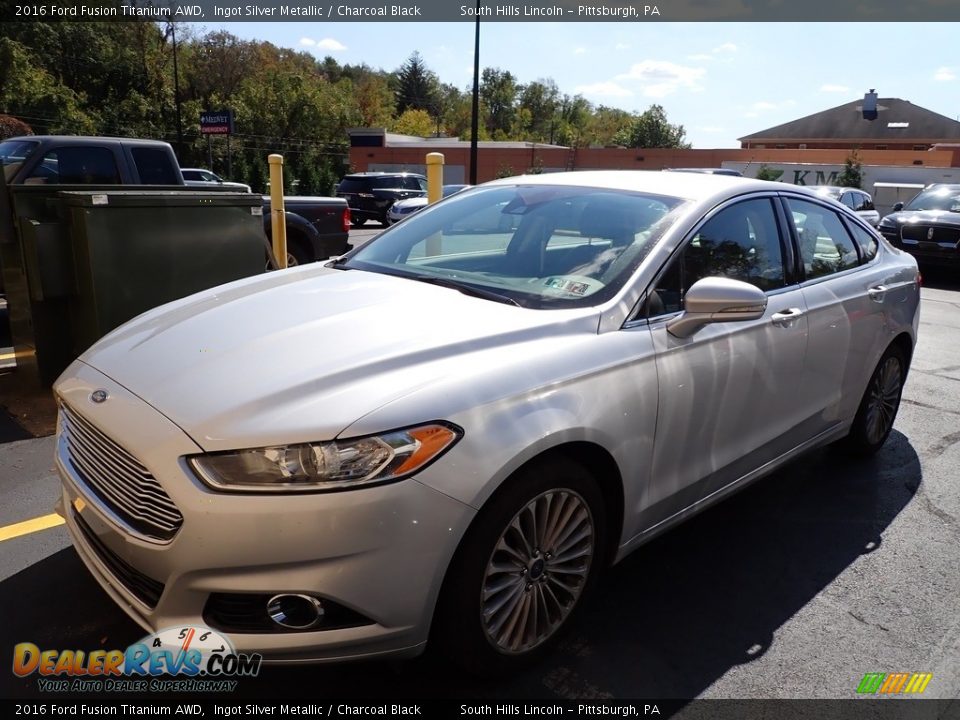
{"type": "Point", "coordinates": [30, 526]}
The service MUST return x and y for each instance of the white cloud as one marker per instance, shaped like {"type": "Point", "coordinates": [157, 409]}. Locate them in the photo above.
{"type": "Point", "coordinates": [763, 106]}
{"type": "Point", "coordinates": [328, 44]}
{"type": "Point", "coordinates": [603, 89]}
{"type": "Point", "coordinates": [580, 51]}
{"type": "Point", "coordinates": [726, 48]}
{"type": "Point", "coordinates": [834, 88]}
{"type": "Point", "coordinates": [661, 77]}
{"type": "Point", "coordinates": [944, 74]}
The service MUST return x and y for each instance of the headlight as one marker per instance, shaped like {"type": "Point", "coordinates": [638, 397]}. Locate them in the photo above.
{"type": "Point", "coordinates": [334, 465]}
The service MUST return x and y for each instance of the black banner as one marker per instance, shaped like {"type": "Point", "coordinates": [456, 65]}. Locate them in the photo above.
{"type": "Point", "coordinates": [854, 709]}
{"type": "Point", "coordinates": [643, 11]}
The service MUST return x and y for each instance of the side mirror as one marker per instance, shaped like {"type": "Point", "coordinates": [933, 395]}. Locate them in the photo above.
{"type": "Point", "coordinates": [897, 206]}
{"type": "Point", "coordinates": [717, 299]}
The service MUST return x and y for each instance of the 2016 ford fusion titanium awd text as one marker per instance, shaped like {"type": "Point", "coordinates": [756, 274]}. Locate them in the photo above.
{"type": "Point", "coordinates": [449, 432]}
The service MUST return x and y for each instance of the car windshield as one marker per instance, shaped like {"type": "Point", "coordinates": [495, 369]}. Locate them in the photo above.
{"type": "Point", "coordinates": [539, 246]}
{"type": "Point", "coordinates": [13, 153]}
{"type": "Point", "coordinates": [942, 198]}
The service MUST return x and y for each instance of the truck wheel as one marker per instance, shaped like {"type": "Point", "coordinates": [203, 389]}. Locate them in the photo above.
{"type": "Point", "coordinates": [296, 253]}
{"type": "Point", "coordinates": [357, 221]}
{"type": "Point", "coordinates": [523, 569]}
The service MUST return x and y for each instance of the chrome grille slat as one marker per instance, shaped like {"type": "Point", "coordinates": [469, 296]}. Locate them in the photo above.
{"type": "Point", "coordinates": [122, 496]}
{"type": "Point", "coordinates": [119, 454]}
{"type": "Point", "coordinates": [118, 479]}
{"type": "Point", "coordinates": [141, 483]}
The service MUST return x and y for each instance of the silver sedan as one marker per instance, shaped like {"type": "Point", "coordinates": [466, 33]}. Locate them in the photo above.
{"type": "Point", "coordinates": [450, 432]}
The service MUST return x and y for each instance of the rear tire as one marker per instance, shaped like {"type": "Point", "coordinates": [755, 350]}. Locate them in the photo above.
{"type": "Point", "coordinates": [522, 571]}
{"type": "Point", "coordinates": [357, 221]}
{"type": "Point", "coordinates": [878, 408]}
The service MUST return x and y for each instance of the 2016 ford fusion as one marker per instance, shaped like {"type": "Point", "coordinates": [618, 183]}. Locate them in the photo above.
{"type": "Point", "coordinates": [448, 433]}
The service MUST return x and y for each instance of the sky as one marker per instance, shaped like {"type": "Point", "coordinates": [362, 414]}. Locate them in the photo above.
{"type": "Point", "coordinates": [721, 81]}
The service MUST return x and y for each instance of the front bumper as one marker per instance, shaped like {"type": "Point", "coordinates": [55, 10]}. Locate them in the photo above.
{"type": "Point", "coordinates": [927, 252]}
{"type": "Point", "coordinates": [380, 552]}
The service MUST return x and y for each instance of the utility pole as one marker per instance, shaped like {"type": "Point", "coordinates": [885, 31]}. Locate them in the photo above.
{"type": "Point", "coordinates": [176, 93]}
{"type": "Point", "coordinates": [475, 117]}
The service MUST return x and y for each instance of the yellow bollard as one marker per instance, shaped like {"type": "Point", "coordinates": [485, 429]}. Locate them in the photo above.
{"type": "Point", "coordinates": [434, 177]}
{"type": "Point", "coordinates": [434, 193]}
{"type": "Point", "coordinates": [278, 218]}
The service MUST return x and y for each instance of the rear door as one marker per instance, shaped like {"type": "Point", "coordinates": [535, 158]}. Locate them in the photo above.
{"type": "Point", "coordinates": [846, 292]}
{"type": "Point", "coordinates": [729, 393]}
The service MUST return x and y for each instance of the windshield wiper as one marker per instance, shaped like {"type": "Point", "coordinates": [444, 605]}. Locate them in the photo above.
{"type": "Point", "coordinates": [465, 289]}
{"type": "Point", "coordinates": [339, 263]}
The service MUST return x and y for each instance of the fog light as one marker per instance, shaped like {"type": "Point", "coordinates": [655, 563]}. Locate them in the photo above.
{"type": "Point", "coordinates": [297, 612]}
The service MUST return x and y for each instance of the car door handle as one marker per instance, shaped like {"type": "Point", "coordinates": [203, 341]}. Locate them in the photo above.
{"type": "Point", "coordinates": [877, 292]}
{"type": "Point", "coordinates": [785, 318]}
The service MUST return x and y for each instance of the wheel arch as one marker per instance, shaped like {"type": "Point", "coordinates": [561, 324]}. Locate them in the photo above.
{"type": "Point", "coordinates": [904, 343]}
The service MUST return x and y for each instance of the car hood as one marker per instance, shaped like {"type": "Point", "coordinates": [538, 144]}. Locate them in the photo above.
{"type": "Point", "coordinates": [299, 355]}
{"type": "Point", "coordinates": [932, 217]}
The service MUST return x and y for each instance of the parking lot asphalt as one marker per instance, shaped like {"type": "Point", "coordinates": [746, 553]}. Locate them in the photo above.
{"type": "Point", "coordinates": [795, 588]}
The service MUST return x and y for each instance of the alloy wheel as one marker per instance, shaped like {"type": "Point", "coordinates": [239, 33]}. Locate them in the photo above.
{"type": "Point", "coordinates": [537, 571]}
{"type": "Point", "coordinates": [884, 399]}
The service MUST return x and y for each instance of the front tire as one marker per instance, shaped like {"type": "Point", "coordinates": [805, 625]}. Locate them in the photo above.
{"type": "Point", "coordinates": [521, 573]}
{"type": "Point", "coordinates": [878, 408]}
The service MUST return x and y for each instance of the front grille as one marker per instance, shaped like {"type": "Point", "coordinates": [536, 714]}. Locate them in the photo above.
{"type": "Point", "coordinates": [118, 479]}
{"type": "Point", "coordinates": [144, 588]}
{"type": "Point", "coordinates": [921, 233]}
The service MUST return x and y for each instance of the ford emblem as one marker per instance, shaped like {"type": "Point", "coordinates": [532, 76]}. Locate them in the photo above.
{"type": "Point", "coordinates": [99, 396]}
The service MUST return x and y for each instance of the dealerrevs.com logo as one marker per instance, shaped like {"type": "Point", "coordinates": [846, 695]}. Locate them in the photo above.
{"type": "Point", "coordinates": [184, 659]}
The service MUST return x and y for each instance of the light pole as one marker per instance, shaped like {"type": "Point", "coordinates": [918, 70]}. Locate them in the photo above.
{"type": "Point", "coordinates": [475, 115]}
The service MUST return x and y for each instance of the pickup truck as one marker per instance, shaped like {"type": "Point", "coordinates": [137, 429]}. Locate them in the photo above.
{"type": "Point", "coordinates": [317, 227]}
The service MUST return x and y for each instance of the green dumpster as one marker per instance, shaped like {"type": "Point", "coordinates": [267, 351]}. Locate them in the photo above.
{"type": "Point", "coordinates": [105, 256]}
{"type": "Point", "coordinates": [136, 250]}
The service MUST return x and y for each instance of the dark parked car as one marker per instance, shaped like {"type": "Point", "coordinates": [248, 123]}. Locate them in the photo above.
{"type": "Point", "coordinates": [927, 227]}
{"type": "Point", "coordinates": [370, 195]}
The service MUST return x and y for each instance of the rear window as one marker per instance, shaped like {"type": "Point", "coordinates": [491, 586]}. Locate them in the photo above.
{"type": "Point", "coordinates": [154, 166]}
{"type": "Point", "coordinates": [13, 153]}
{"type": "Point", "coordinates": [352, 185]}
{"type": "Point", "coordinates": [83, 165]}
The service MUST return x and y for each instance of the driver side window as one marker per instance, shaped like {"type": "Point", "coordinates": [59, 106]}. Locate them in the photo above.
{"type": "Point", "coordinates": [741, 242]}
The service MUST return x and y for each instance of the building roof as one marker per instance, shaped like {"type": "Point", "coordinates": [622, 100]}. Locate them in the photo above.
{"type": "Point", "coordinates": [897, 120]}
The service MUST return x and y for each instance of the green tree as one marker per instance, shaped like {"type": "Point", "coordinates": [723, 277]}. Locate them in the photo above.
{"type": "Point", "coordinates": [651, 129]}
{"type": "Point", "coordinates": [414, 122]}
{"type": "Point", "coordinates": [417, 86]}
{"type": "Point", "coordinates": [852, 173]}
{"type": "Point", "coordinates": [498, 93]}
{"type": "Point", "coordinates": [540, 99]}
{"type": "Point", "coordinates": [765, 172]}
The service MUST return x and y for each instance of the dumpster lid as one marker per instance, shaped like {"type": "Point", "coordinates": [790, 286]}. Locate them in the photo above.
{"type": "Point", "coordinates": [159, 198]}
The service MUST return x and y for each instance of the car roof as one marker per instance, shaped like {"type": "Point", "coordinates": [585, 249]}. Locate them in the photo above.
{"type": "Point", "coordinates": [381, 174]}
{"type": "Point", "coordinates": [88, 140]}
{"type": "Point", "coordinates": [681, 185]}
